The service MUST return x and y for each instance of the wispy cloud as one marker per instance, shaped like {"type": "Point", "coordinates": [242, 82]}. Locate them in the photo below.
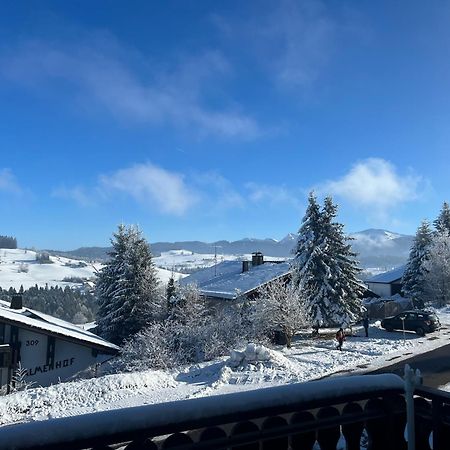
{"type": "Point", "coordinates": [375, 184]}
{"type": "Point", "coordinates": [274, 195]}
{"type": "Point", "coordinates": [291, 39]}
{"type": "Point", "coordinates": [122, 81]}
{"type": "Point", "coordinates": [160, 190]}
{"type": "Point", "coordinates": [8, 182]}
{"type": "Point", "coordinates": [218, 193]}
{"type": "Point", "coordinates": [78, 194]}
{"type": "Point", "coordinates": [151, 185]}
{"type": "Point", "coordinates": [303, 35]}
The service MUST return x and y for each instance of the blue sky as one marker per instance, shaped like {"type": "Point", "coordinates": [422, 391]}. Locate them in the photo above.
{"type": "Point", "coordinates": [213, 120]}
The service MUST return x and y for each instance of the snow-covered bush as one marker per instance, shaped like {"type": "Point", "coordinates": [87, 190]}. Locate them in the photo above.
{"type": "Point", "coordinates": [279, 308]}
{"type": "Point", "coordinates": [18, 380]}
{"type": "Point", "coordinates": [23, 268]}
{"type": "Point", "coordinates": [150, 348]}
{"type": "Point", "coordinates": [193, 332]}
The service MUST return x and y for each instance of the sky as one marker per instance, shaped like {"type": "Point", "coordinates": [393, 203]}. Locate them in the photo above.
{"type": "Point", "coordinates": [202, 120]}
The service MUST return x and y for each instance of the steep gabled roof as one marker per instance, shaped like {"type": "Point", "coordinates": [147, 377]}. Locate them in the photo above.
{"type": "Point", "coordinates": [40, 322]}
{"type": "Point", "coordinates": [226, 280]}
{"type": "Point", "coordinates": [388, 277]}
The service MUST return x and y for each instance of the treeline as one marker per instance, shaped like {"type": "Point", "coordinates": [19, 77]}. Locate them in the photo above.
{"type": "Point", "coordinates": [66, 304]}
{"type": "Point", "coordinates": [8, 242]}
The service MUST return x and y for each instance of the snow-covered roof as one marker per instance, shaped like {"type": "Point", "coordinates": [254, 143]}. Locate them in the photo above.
{"type": "Point", "coordinates": [226, 280]}
{"type": "Point", "coordinates": [30, 318]}
{"type": "Point", "coordinates": [388, 277]}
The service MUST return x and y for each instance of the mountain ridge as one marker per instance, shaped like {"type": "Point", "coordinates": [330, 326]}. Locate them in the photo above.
{"type": "Point", "coordinates": [375, 247]}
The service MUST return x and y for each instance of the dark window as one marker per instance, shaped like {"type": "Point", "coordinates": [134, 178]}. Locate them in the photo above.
{"type": "Point", "coordinates": [50, 360]}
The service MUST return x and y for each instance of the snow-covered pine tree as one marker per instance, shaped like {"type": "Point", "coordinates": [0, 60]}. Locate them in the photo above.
{"type": "Point", "coordinates": [437, 271]}
{"type": "Point", "coordinates": [307, 266]}
{"type": "Point", "coordinates": [413, 281]}
{"type": "Point", "coordinates": [341, 290]}
{"type": "Point", "coordinates": [127, 287]}
{"type": "Point", "coordinates": [325, 268]}
{"type": "Point", "coordinates": [442, 223]}
{"type": "Point", "coordinates": [170, 291]}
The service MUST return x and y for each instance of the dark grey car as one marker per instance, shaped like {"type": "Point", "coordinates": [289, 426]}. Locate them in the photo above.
{"type": "Point", "coordinates": [419, 321]}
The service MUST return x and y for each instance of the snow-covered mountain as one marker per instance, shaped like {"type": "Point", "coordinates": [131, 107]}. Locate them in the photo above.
{"type": "Point", "coordinates": [381, 248]}
{"type": "Point", "coordinates": [375, 247]}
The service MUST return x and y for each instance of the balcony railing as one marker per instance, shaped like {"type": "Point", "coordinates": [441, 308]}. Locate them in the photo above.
{"type": "Point", "coordinates": [367, 411]}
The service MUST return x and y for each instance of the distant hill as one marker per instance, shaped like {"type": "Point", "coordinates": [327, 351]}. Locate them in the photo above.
{"type": "Point", "coordinates": [375, 247]}
{"type": "Point", "coordinates": [381, 248]}
{"type": "Point", "coordinates": [85, 253]}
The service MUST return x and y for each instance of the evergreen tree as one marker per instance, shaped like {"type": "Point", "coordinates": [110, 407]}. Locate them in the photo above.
{"type": "Point", "coordinates": [170, 290]}
{"type": "Point", "coordinates": [342, 287]}
{"type": "Point", "coordinates": [127, 287]}
{"type": "Point", "coordinates": [437, 271]}
{"type": "Point", "coordinates": [442, 223]}
{"type": "Point", "coordinates": [325, 268]}
{"type": "Point", "coordinates": [307, 267]}
{"type": "Point", "coordinates": [413, 284]}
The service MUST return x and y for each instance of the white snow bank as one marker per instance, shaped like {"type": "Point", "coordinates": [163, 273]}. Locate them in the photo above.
{"type": "Point", "coordinates": [253, 353]}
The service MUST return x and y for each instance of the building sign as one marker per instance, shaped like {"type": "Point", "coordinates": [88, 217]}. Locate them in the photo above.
{"type": "Point", "coordinates": [48, 367]}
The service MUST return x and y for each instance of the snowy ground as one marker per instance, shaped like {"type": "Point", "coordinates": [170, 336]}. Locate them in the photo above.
{"type": "Point", "coordinates": [308, 359]}
{"type": "Point", "coordinates": [186, 261]}
{"type": "Point", "coordinates": [18, 267]}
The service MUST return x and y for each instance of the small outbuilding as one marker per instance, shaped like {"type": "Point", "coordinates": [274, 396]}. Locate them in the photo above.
{"type": "Point", "coordinates": [388, 283]}
{"type": "Point", "coordinates": [49, 350]}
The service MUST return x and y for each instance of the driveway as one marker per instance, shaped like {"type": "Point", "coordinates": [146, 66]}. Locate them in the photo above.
{"type": "Point", "coordinates": [434, 365]}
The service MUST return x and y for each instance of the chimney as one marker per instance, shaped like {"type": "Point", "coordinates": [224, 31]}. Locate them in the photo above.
{"type": "Point", "coordinates": [257, 259]}
{"type": "Point", "coordinates": [16, 301]}
{"type": "Point", "coordinates": [245, 266]}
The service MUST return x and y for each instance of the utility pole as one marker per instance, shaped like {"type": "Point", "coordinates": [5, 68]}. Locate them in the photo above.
{"type": "Point", "coordinates": [215, 260]}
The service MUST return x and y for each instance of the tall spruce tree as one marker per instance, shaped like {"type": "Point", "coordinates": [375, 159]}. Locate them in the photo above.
{"type": "Point", "coordinates": [325, 268]}
{"type": "Point", "coordinates": [127, 287]}
{"type": "Point", "coordinates": [442, 223]}
{"type": "Point", "coordinates": [341, 288]}
{"type": "Point", "coordinates": [413, 281]}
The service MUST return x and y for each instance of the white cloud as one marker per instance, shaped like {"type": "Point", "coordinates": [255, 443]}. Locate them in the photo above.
{"type": "Point", "coordinates": [274, 195]}
{"type": "Point", "coordinates": [78, 194]}
{"type": "Point", "coordinates": [124, 83]}
{"type": "Point", "coordinates": [304, 33]}
{"type": "Point", "coordinates": [374, 183]}
{"type": "Point", "coordinates": [8, 182]}
{"type": "Point", "coordinates": [151, 186]}
{"type": "Point", "coordinates": [292, 40]}
{"type": "Point", "coordinates": [218, 192]}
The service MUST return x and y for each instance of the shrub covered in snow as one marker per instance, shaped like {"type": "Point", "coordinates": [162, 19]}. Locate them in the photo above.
{"type": "Point", "coordinates": [193, 332]}
{"type": "Point", "coordinates": [279, 308]}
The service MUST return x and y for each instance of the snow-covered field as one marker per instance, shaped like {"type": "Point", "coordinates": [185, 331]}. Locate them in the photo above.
{"type": "Point", "coordinates": [186, 261]}
{"type": "Point", "coordinates": [308, 359]}
{"type": "Point", "coordinates": [18, 267]}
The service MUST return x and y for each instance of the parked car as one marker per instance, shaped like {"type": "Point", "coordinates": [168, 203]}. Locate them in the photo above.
{"type": "Point", "coordinates": [419, 321]}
